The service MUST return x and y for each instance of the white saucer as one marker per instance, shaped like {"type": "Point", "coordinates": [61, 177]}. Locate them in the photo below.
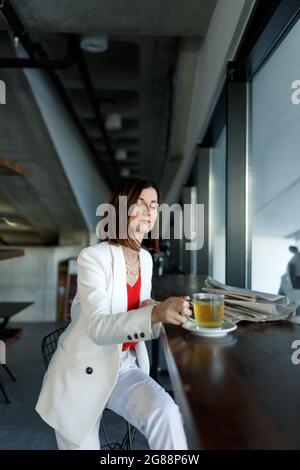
{"type": "Point", "coordinates": [226, 327]}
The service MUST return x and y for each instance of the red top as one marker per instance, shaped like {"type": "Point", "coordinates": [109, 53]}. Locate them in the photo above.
{"type": "Point", "coordinates": [133, 296]}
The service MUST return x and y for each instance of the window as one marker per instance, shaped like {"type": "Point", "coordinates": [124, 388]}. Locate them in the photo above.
{"type": "Point", "coordinates": [275, 166]}
{"type": "Point", "coordinates": [217, 207]}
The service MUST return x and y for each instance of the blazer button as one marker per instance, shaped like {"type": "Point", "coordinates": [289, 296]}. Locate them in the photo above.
{"type": "Point", "coordinates": [136, 335]}
{"type": "Point", "coordinates": [142, 335]}
{"type": "Point", "coordinates": [89, 370]}
{"type": "Point", "coordinates": [129, 337]}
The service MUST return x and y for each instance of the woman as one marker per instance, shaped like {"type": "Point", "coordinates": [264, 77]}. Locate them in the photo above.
{"type": "Point", "coordinates": [101, 360]}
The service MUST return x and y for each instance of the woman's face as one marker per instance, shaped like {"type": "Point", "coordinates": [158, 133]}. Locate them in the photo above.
{"type": "Point", "coordinates": [144, 213]}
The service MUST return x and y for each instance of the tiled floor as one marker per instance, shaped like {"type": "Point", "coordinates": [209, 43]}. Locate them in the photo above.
{"type": "Point", "coordinates": [20, 425]}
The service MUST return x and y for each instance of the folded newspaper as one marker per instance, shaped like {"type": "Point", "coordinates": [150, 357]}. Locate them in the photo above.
{"type": "Point", "coordinates": [250, 305]}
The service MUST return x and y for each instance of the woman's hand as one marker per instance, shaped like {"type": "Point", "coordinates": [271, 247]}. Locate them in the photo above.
{"type": "Point", "coordinates": [147, 302]}
{"type": "Point", "coordinates": [174, 311]}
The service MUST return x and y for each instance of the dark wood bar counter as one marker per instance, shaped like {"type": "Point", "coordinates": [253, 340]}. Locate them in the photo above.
{"type": "Point", "coordinates": [178, 284]}
{"type": "Point", "coordinates": [240, 391]}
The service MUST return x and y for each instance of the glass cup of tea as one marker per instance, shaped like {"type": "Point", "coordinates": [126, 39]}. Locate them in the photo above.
{"type": "Point", "coordinates": [208, 310]}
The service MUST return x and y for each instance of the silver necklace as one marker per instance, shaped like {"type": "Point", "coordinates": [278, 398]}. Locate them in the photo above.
{"type": "Point", "coordinates": [131, 271]}
{"type": "Point", "coordinates": [130, 266]}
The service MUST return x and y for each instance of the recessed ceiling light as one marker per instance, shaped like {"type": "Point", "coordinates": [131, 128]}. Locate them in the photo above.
{"type": "Point", "coordinates": [125, 172]}
{"type": "Point", "coordinates": [94, 43]}
{"type": "Point", "coordinates": [113, 122]}
{"type": "Point", "coordinates": [8, 222]}
{"type": "Point", "coordinates": [121, 155]}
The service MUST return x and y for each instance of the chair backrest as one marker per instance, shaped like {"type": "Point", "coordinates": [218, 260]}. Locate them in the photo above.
{"type": "Point", "coordinates": [49, 344]}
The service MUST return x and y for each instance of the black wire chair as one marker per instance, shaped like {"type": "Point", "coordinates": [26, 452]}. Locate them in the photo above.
{"type": "Point", "coordinates": [49, 345]}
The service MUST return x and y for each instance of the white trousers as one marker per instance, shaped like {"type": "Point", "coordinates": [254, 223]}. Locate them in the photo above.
{"type": "Point", "coordinates": [142, 402]}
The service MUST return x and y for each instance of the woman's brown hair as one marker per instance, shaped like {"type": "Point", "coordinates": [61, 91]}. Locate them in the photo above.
{"type": "Point", "coordinates": [132, 188]}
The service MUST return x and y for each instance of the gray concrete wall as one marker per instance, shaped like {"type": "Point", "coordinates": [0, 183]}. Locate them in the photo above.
{"type": "Point", "coordinates": [34, 278]}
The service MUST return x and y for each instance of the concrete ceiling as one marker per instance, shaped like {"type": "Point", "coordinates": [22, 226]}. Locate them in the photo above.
{"type": "Point", "coordinates": [131, 78]}
{"type": "Point", "coordinates": [134, 17]}
{"type": "Point", "coordinates": [31, 209]}
{"type": "Point", "coordinates": [146, 75]}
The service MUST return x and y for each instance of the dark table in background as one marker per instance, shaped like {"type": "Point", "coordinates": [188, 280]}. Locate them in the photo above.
{"type": "Point", "coordinates": [9, 309]}
{"type": "Point", "coordinates": [9, 253]}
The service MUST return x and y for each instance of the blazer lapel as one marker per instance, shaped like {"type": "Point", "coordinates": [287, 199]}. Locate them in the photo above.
{"type": "Point", "coordinates": [119, 295]}
{"type": "Point", "coordinates": [144, 276]}
{"type": "Point", "coordinates": [119, 290]}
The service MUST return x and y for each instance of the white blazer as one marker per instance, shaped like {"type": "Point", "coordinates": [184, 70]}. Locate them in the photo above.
{"type": "Point", "coordinates": [85, 366]}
